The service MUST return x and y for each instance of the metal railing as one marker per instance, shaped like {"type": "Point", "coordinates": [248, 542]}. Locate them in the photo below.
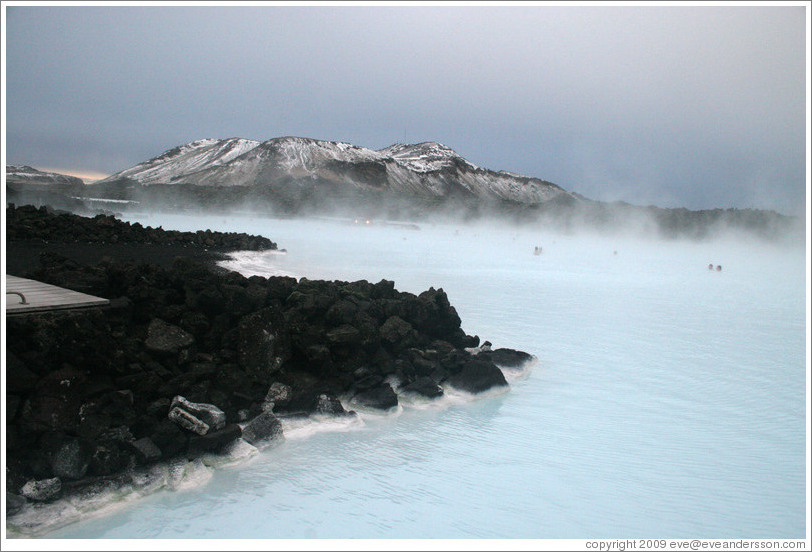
{"type": "Point", "coordinates": [22, 297]}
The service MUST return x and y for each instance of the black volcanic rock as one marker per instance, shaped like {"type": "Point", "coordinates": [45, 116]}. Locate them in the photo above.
{"type": "Point", "coordinates": [31, 223]}
{"type": "Point", "coordinates": [478, 375]}
{"type": "Point", "coordinates": [71, 459]}
{"type": "Point", "coordinates": [424, 386]}
{"type": "Point", "coordinates": [382, 397]}
{"type": "Point", "coordinates": [214, 441]}
{"type": "Point", "coordinates": [90, 391]}
{"type": "Point", "coordinates": [146, 451]}
{"type": "Point", "coordinates": [508, 358]}
{"type": "Point", "coordinates": [265, 427]}
{"type": "Point", "coordinates": [166, 339]}
{"type": "Point", "coordinates": [397, 334]}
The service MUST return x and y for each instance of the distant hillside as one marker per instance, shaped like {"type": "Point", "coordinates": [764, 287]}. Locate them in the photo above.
{"type": "Point", "coordinates": [27, 185]}
{"type": "Point", "coordinates": [426, 181]}
{"type": "Point", "coordinates": [29, 175]}
{"type": "Point", "coordinates": [293, 165]}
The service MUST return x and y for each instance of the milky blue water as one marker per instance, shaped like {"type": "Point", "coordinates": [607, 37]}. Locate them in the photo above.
{"type": "Point", "coordinates": [668, 400]}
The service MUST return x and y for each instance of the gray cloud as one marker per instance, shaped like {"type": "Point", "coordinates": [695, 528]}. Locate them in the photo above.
{"type": "Point", "coordinates": [677, 106]}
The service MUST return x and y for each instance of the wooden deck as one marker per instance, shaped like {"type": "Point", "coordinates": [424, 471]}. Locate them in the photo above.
{"type": "Point", "coordinates": [41, 297]}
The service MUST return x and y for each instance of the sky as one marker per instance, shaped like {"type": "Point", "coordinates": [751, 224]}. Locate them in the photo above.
{"type": "Point", "coordinates": [695, 106]}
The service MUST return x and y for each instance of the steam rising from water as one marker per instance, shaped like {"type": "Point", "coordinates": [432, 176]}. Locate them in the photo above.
{"type": "Point", "coordinates": [667, 401]}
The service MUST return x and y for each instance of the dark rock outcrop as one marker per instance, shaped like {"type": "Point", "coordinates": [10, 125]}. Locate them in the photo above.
{"type": "Point", "coordinates": [39, 223]}
{"type": "Point", "coordinates": [265, 427]}
{"type": "Point", "coordinates": [185, 354]}
{"type": "Point", "coordinates": [424, 386]}
{"type": "Point", "coordinates": [146, 451]}
{"type": "Point", "coordinates": [197, 413]}
{"type": "Point", "coordinates": [71, 460]}
{"type": "Point", "coordinates": [382, 397]}
{"type": "Point", "coordinates": [214, 441]}
{"type": "Point", "coordinates": [42, 490]}
{"type": "Point", "coordinates": [477, 375]}
{"type": "Point", "coordinates": [166, 339]}
{"type": "Point", "coordinates": [507, 358]}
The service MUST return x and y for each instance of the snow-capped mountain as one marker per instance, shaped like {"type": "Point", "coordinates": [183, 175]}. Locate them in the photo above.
{"type": "Point", "coordinates": [428, 169]}
{"type": "Point", "coordinates": [182, 160]}
{"type": "Point", "coordinates": [23, 174]}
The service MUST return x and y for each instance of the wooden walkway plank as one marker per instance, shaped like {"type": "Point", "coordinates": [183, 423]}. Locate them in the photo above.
{"type": "Point", "coordinates": [41, 297]}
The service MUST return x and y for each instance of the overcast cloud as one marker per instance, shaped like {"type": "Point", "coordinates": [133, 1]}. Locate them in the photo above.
{"type": "Point", "coordinates": [697, 106]}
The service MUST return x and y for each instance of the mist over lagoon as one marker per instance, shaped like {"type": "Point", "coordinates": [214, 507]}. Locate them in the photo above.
{"type": "Point", "coordinates": [616, 196]}
{"type": "Point", "coordinates": [667, 400]}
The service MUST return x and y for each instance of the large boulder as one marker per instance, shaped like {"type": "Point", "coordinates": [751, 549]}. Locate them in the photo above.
{"type": "Point", "coordinates": [265, 427]}
{"type": "Point", "coordinates": [342, 312]}
{"type": "Point", "coordinates": [109, 457]}
{"type": "Point", "coordinates": [166, 339]}
{"type": "Point", "coordinates": [278, 394]}
{"type": "Point", "coordinates": [71, 460]}
{"type": "Point", "coordinates": [330, 405]}
{"type": "Point", "coordinates": [169, 438]}
{"type": "Point", "coordinates": [397, 334]}
{"type": "Point", "coordinates": [42, 490]}
{"type": "Point", "coordinates": [423, 386]}
{"type": "Point", "coordinates": [382, 397]}
{"type": "Point", "coordinates": [477, 375]}
{"type": "Point", "coordinates": [209, 414]}
{"type": "Point", "coordinates": [146, 451]}
{"type": "Point", "coordinates": [188, 421]}
{"type": "Point", "coordinates": [344, 335]}
{"type": "Point", "coordinates": [215, 440]}
{"type": "Point", "coordinates": [313, 400]}
{"type": "Point", "coordinates": [508, 358]}
{"type": "Point", "coordinates": [312, 298]}
{"type": "Point", "coordinates": [262, 343]}
{"type": "Point", "coordinates": [430, 313]}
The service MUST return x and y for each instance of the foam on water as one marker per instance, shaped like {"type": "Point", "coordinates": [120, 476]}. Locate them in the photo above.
{"type": "Point", "coordinates": [514, 374]}
{"type": "Point", "coordinates": [303, 427]}
{"type": "Point", "coordinates": [667, 400]}
{"type": "Point", "coordinates": [108, 496]}
{"type": "Point", "coordinates": [255, 263]}
{"type": "Point", "coordinates": [104, 497]}
{"type": "Point", "coordinates": [234, 453]}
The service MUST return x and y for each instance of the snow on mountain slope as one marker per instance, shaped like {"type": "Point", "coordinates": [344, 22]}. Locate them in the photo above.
{"type": "Point", "coordinates": [423, 157]}
{"type": "Point", "coordinates": [303, 154]}
{"type": "Point", "coordinates": [425, 169]}
{"type": "Point", "coordinates": [29, 175]}
{"type": "Point", "coordinates": [288, 156]}
{"type": "Point", "coordinates": [197, 155]}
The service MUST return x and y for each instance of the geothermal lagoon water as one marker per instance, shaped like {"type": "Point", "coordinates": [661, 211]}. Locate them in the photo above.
{"type": "Point", "coordinates": [667, 401]}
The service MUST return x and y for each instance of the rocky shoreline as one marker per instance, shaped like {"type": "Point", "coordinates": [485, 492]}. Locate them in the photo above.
{"type": "Point", "coordinates": [187, 361]}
